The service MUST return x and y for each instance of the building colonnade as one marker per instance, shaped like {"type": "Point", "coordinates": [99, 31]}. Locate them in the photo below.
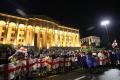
{"type": "Point", "coordinates": [36, 32]}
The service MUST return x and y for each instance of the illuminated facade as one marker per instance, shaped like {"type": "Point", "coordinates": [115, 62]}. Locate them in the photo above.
{"type": "Point", "coordinates": [36, 32]}
{"type": "Point", "coordinates": [90, 40]}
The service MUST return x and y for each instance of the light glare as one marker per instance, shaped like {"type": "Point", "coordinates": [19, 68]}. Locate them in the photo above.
{"type": "Point", "coordinates": [104, 23]}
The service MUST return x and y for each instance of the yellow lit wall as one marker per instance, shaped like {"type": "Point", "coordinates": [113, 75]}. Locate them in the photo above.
{"type": "Point", "coordinates": [45, 34]}
{"type": "Point", "coordinates": [2, 31]}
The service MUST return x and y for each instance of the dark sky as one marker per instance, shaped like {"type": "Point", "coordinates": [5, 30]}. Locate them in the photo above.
{"type": "Point", "coordinates": [81, 14]}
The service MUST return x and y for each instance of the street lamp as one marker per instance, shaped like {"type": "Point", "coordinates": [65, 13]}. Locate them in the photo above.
{"type": "Point", "coordinates": [105, 23]}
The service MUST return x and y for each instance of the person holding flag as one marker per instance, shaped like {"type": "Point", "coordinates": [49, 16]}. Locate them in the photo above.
{"type": "Point", "coordinates": [114, 44]}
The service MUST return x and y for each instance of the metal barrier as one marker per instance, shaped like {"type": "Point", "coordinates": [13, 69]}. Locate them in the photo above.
{"type": "Point", "coordinates": [12, 71]}
{"type": "Point", "coordinates": [25, 68]}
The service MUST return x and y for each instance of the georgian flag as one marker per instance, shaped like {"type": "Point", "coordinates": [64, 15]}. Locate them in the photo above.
{"type": "Point", "coordinates": [23, 50]}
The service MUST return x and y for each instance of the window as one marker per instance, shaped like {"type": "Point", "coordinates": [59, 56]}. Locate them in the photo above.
{"type": "Point", "coordinates": [2, 34]}
{"type": "Point", "coordinates": [12, 35]}
{"type": "Point", "coordinates": [4, 28]}
{"type": "Point", "coordinates": [19, 40]}
{"type": "Point", "coordinates": [1, 39]}
{"type": "Point", "coordinates": [11, 39]}
{"type": "Point", "coordinates": [18, 44]}
{"type": "Point", "coordinates": [21, 29]}
{"type": "Point", "coordinates": [20, 35]}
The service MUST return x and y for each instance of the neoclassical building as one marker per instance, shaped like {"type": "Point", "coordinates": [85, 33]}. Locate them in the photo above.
{"type": "Point", "coordinates": [36, 32]}
{"type": "Point", "coordinates": [90, 40]}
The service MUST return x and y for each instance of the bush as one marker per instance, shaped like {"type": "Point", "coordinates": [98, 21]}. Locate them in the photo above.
{"type": "Point", "coordinates": [92, 49]}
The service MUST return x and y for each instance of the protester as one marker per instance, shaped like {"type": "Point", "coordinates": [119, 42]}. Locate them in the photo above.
{"type": "Point", "coordinates": [55, 61]}
{"type": "Point", "coordinates": [91, 63]}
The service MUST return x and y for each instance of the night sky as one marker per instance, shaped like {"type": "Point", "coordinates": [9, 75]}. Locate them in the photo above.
{"type": "Point", "coordinates": [81, 14]}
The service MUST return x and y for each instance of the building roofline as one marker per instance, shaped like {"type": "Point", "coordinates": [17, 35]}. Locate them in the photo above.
{"type": "Point", "coordinates": [16, 17]}
{"type": "Point", "coordinates": [68, 28]}
{"type": "Point", "coordinates": [90, 36]}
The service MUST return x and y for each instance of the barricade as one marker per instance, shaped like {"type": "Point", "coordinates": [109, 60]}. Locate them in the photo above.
{"type": "Point", "coordinates": [20, 70]}
{"type": "Point", "coordinates": [103, 61]}
{"type": "Point", "coordinates": [24, 68]}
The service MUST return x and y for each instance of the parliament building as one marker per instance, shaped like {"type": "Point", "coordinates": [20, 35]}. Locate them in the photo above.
{"type": "Point", "coordinates": [37, 32]}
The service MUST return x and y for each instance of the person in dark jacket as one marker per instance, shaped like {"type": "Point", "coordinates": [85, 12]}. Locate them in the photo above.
{"type": "Point", "coordinates": [91, 63]}
{"type": "Point", "coordinates": [83, 61]}
{"type": "Point", "coordinates": [113, 58]}
{"type": "Point", "coordinates": [118, 57]}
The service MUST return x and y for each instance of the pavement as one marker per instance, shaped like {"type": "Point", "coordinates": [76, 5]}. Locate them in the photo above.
{"type": "Point", "coordinates": [101, 73]}
{"type": "Point", "coordinates": [77, 74]}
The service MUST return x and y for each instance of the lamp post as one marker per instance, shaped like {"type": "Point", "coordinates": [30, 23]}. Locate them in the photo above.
{"type": "Point", "coordinates": [105, 23]}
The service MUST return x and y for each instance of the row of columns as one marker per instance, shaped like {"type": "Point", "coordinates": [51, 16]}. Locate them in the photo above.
{"type": "Point", "coordinates": [39, 36]}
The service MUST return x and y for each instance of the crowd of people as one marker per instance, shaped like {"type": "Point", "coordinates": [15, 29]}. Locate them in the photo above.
{"type": "Point", "coordinates": [64, 60]}
{"type": "Point", "coordinates": [54, 61]}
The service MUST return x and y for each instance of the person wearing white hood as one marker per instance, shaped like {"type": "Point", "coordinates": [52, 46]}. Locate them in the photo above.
{"type": "Point", "coordinates": [101, 58]}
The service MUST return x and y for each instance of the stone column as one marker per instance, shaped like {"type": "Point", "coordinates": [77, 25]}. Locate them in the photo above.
{"type": "Point", "coordinates": [25, 35]}
{"type": "Point", "coordinates": [6, 32]}
{"type": "Point", "coordinates": [16, 31]}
